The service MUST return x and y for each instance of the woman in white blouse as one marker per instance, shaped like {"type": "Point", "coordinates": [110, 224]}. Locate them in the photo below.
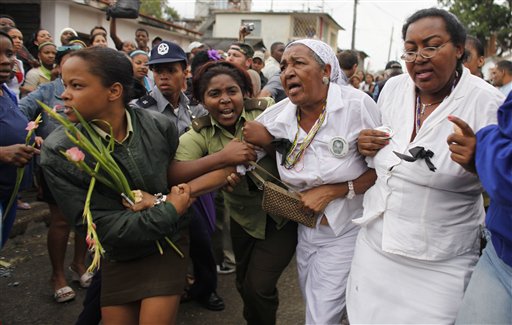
{"type": "Point", "coordinates": [419, 240]}
{"type": "Point", "coordinates": [320, 122]}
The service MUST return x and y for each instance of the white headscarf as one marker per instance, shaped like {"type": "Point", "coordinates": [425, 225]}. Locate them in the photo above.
{"type": "Point", "coordinates": [68, 29]}
{"type": "Point", "coordinates": [327, 55]}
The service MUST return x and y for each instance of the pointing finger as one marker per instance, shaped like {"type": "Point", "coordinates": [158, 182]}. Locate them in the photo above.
{"type": "Point", "coordinates": [464, 128]}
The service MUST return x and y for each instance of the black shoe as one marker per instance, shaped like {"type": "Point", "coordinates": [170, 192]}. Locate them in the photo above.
{"type": "Point", "coordinates": [212, 302]}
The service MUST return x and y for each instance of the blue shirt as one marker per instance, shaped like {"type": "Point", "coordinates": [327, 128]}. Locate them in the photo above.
{"type": "Point", "coordinates": [12, 131]}
{"type": "Point", "coordinates": [494, 164]}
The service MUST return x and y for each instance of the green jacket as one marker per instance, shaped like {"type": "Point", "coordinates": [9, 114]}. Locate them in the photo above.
{"type": "Point", "coordinates": [207, 136]}
{"type": "Point", "coordinates": [144, 157]}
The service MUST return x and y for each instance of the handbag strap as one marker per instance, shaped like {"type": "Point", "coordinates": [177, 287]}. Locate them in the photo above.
{"type": "Point", "coordinates": [262, 181]}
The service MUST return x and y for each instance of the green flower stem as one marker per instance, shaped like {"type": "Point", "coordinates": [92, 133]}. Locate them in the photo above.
{"type": "Point", "coordinates": [91, 231]}
{"type": "Point", "coordinates": [29, 133]}
{"type": "Point", "coordinates": [160, 249]}
{"type": "Point", "coordinates": [20, 171]}
{"type": "Point", "coordinates": [105, 153]}
{"type": "Point", "coordinates": [19, 176]}
{"type": "Point", "coordinates": [96, 148]}
{"type": "Point", "coordinates": [102, 157]}
{"type": "Point", "coordinates": [94, 174]}
{"type": "Point", "coordinates": [178, 251]}
{"type": "Point", "coordinates": [102, 154]}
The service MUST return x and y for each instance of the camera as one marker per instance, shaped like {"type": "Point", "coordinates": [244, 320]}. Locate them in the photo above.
{"type": "Point", "coordinates": [249, 27]}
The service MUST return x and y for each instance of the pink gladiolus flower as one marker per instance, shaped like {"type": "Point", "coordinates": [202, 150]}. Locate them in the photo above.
{"type": "Point", "coordinates": [89, 241]}
{"type": "Point", "coordinates": [74, 154]}
{"type": "Point", "coordinates": [31, 126]}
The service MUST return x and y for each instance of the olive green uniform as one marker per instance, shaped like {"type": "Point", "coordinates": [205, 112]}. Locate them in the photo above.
{"type": "Point", "coordinates": [263, 244]}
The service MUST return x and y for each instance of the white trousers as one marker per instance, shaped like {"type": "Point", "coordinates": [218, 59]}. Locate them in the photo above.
{"type": "Point", "coordinates": [323, 263]}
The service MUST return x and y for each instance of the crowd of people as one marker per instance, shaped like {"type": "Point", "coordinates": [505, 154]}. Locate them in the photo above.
{"type": "Point", "coordinates": [391, 167]}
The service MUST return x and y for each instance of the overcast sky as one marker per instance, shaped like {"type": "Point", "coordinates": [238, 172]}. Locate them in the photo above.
{"type": "Point", "coordinates": [375, 20]}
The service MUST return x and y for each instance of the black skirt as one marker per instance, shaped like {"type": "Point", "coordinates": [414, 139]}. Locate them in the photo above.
{"type": "Point", "coordinates": [151, 276]}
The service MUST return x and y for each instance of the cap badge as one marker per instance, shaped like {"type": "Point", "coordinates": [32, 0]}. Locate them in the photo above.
{"type": "Point", "coordinates": [163, 49]}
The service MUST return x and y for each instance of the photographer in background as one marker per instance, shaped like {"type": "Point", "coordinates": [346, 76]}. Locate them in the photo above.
{"type": "Point", "coordinates": [245, 30]}
{"type": "Point", "coordinates": [240, 54]}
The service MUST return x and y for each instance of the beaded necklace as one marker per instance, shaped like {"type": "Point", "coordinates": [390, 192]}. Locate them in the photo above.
{"type": "Point", "coordinates": [420, 107]}
{"type": "Point", "coordinates": [295, 154]}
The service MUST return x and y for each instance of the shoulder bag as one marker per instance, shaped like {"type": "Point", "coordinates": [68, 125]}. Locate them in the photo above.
{"type": "Point", "coordinates": [124, 9]}
{"type": "Point", "coordinates": [282, 201]}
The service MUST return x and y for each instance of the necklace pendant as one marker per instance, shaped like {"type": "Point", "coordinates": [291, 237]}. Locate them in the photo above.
{"type": "Point", "coordinates": [423, 107]}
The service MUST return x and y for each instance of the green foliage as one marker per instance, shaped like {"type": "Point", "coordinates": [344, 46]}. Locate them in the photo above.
{"type": "Point", "coordinates": [152, 7]}
{"type": "Point", "coordinates": [158, 9]}
{"type": "Point", "coordinates": [172, 14]}
{"type": "Point", "coordinates": [485, 17]}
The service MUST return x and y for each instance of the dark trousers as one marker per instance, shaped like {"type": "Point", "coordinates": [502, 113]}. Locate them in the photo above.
{"type": "Point", "coordinates": [259, 264]}
{"type": "Point", "coordinates": [91, 313]}
{"type": "Point", "coordinates": [201, 254]}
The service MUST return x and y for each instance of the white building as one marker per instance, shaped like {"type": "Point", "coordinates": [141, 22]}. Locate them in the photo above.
{"type": "Point", "coordinates": [204, 8]}
{"type": "Point", "coordinates": [270, 27]}
{"type": "Point", "coordinates": [83, 15]}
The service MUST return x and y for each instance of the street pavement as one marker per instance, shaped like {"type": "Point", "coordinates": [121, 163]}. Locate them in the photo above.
{"type": "Point", "coordinates": [26, 295]}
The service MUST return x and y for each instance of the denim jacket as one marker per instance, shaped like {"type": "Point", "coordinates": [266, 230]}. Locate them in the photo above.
{"type": "Point", "coordinates": [50, 95]}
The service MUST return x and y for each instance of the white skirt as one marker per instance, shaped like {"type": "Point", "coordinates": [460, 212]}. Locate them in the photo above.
{"type": "Point", "coordinates": [388, 288]}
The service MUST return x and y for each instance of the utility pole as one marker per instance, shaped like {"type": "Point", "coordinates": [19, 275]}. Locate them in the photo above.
{"type": "Point", "coordinates": [391, 42]}
{"type": "Point", "coordinates": [354, 26]}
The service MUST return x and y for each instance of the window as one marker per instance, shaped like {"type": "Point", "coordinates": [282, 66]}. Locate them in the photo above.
{"type": "Point", "coordinates": [304, 27]}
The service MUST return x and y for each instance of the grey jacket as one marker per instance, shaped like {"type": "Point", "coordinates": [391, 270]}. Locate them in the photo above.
{"type": "Point", "coordinates": [155, 101]}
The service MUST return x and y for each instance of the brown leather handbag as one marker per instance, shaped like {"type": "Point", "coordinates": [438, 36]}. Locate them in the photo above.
{"type": "Point", "coordinates": [282, 201]}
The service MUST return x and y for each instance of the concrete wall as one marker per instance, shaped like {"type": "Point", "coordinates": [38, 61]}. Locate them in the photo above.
{"type": "Point", "coordinates": [83, 18]}
{"type": "Point", "coordinates": [58, 14]}
{"type": "Point", "coordinates": [274, 28]}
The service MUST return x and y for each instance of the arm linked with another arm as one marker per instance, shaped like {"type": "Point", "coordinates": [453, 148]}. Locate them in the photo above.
{"type": "Point", "coordinates": [316, 199]}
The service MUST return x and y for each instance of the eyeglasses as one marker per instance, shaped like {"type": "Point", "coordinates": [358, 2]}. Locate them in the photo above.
{"type": "Point", "coordinates": [426, 53]}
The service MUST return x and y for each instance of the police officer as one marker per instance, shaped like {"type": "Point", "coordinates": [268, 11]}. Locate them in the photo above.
{"type": "Point", "coordinates": [168, 62]}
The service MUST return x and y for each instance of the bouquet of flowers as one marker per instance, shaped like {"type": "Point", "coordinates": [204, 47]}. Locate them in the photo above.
{"type": "Point", "coordinates": [31, 126]}
{"type": "Point", "coordinates": [114, 178]}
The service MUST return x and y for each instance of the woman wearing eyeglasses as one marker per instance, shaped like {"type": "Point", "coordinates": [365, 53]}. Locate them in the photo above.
{"type": "Point", "coordinates": [419, 239]}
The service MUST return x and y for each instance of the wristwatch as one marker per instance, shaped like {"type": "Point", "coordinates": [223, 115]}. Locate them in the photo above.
{"type": "Point", "coordinates": [159, 198]}
{"type": "Point", "coordinates": [351, 193]}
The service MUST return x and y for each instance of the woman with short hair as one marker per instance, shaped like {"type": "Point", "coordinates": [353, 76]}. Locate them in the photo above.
{"type": "Point", "coordinates": [420, 234]}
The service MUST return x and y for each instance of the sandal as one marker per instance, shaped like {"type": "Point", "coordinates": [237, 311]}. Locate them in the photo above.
{"type": "Point", "coordinates": [85, 280]}
{"type": "Point", "coordinates": [23, 205]}
{"type": "Point", "coordinates": [64, 294]}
